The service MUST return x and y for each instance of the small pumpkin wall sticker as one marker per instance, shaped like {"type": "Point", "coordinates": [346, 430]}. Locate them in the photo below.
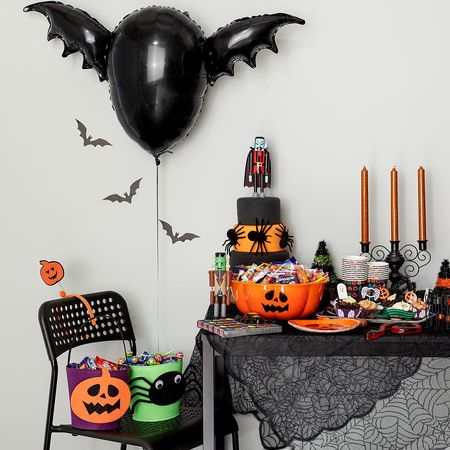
{"type": "Point", "coordinates": [100, 399]}
{"type": "Point", "coordinates": [51, 272]}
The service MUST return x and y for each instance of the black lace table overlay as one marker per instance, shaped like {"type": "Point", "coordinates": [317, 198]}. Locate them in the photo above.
{"type": "Point", "coordinates": [194, 378]}
{"type": "Point", "coordinates": [337, 391]}
{"type": "Point", "coordinates": [416, 417]}
{"type": "Point", "coordinates": [298, 398]}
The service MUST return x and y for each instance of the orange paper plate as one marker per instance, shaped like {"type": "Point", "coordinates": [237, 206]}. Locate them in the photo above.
{"type": "Point", "coordinates": [325, 325]}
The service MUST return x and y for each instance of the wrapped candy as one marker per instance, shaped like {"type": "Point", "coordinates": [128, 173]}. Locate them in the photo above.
{"type": "Point", "coordinates": [288, 272]}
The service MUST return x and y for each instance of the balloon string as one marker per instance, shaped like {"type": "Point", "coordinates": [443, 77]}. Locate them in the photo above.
{"type": "Point", "coordinates": [157, 257]}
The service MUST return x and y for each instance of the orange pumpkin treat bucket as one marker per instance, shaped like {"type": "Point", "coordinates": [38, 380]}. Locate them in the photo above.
{"type": "Point", "coordinates": [98, 397]}
{"type": "Point", "coordinates": [280, 291]}
{"type": "Point", "coordinates": [278, 301]}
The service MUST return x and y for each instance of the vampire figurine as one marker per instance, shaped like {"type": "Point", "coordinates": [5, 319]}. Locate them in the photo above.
{"type": "Point", "coordinates": [257, 167]}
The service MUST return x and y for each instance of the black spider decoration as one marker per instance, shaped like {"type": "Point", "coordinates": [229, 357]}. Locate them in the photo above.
{"type": "Point", "coordinates": [165, 390]}
{"type": "Point", "coordinates": [259, 237]}
{"type": "Point", "coordinates": [233, 234]}
{"type": "Point", "coordinates": [286, 240]}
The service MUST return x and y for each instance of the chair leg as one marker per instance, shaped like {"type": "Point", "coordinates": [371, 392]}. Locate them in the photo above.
{"type": "Point", "coordinates": [47, 438]}
{"type": "Point", "coordinates": [51, 405]}
{"type": "Point", "coordinates": [123, 446]}
{"type": "Point", "coordinates": [235, 438]}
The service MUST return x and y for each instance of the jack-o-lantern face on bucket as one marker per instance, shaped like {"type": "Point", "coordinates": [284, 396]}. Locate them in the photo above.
{"type": "Point", "coordinates": [275, 304]}
{"type": "Point", "coordinates": [101, 399]}
{"type": "Point", "coordinates": [51, 272]}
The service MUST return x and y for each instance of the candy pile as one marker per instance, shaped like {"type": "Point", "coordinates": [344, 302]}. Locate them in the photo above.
{"type": "Point", "coordinates": [289, 272]}
{"type": "Point", "coordinates": [146, 359]}
{"type": "Point", "coordinates": [96, 363]}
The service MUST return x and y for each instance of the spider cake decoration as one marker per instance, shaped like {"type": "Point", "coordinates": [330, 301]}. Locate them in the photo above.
{"type": "Point", "coordinates": [286, 240]}
{"type": "Point", "coordinates": [233, 234]}
{"type": "Point", "coordinates": [256, 239]}
{"type": "Point", "coordinates": [260, 237]}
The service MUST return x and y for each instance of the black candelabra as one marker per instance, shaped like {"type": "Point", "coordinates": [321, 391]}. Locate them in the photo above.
{"type": "Point", "coordinates": [409, 258]}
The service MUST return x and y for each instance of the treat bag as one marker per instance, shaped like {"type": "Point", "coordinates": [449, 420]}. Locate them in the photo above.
{"type": "Point", "coordinates": [156, 391]}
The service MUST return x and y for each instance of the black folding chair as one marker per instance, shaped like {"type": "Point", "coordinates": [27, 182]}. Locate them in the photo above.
{"type": "Point", "coordinates": [60, 321]}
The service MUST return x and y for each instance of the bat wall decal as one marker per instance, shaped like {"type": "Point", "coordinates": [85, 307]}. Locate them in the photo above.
{"type": "Point", "coordinates": [176, 237]}
{"type": "Point", "coordinates": [87, 140]}
{"type": "Point", "coordinates": [183, 59]}
{"type": "Point", "coordinates": [127, 197]}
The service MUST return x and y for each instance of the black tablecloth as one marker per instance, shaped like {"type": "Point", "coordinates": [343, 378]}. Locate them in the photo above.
{"type": "Point", "coordinates": [353, 343]}
{"type": "Point", "coordinates": [299, 384]}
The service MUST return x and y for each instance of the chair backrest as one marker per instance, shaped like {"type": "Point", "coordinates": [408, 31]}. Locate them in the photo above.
{"type": "Point", "coordinates": [61, 320]}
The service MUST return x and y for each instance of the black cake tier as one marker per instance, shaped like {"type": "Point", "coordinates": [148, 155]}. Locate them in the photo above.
{"type": "Point", "coordinates": [250, 209]}
{"type": "Point", "coordinates": [247, 259]}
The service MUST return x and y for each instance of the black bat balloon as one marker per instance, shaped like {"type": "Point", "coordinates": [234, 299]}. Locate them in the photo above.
{"type": "Point", "coordinates": [127, 197]}
{"type": "Point", "coordinates": [159, 62]}
{"type": "Point", "coordinates": [87, 140]}
{"type": "Point", "coordinates": [176, 237]}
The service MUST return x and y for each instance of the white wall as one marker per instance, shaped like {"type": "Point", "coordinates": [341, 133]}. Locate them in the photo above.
{"type": "Point", "coordinates": [363, 82]}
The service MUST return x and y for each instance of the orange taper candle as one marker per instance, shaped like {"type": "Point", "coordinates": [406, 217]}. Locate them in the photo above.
{"type": "Point", "coordinates": [364, 206]}
{"type": "Point", "coordinates": [394, 204]}
{"type": "Point", "coordinates": [421, 203]}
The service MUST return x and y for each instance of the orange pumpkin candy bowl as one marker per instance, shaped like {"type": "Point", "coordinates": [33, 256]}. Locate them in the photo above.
{"type": "Point", "coordinates": [278, 301]}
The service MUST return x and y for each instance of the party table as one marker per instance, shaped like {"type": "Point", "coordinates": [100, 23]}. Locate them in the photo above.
{"type": "Point", "coordinates": [301, 384]}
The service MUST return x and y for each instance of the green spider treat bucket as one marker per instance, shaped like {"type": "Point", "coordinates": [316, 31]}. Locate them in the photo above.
{"type": "Point", "coordinates": [156, 391]}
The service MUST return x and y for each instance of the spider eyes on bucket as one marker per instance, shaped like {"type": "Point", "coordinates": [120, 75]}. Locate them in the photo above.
{"type": "Point", "coordinates": [160, 384]}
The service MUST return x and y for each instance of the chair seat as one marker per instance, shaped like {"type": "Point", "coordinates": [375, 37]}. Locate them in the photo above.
{"type": "Point", "coordinates": [160, 435]}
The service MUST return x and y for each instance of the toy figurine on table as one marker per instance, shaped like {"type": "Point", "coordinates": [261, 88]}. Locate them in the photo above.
{"type": "Point", "coordinates": [257, 167]}
{"type": "Point", "coordinates": [219, 285]}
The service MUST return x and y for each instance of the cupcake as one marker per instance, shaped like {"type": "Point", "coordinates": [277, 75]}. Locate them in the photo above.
{"type": "Point", "coordinates": [401, 310]}
{"type": "Point", "coordinates": [369, 309]}
{"type": "Point", "coordinates": [348, 307]}
{"type": "Point", "coordinates": [421, 308]}
{"type": "Point", "coordinates": [404, 306]}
